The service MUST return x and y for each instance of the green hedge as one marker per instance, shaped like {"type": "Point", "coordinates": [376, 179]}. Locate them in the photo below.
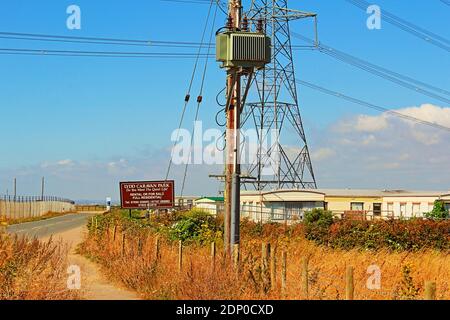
{"type": "Point", "coordinates": [399, 235]}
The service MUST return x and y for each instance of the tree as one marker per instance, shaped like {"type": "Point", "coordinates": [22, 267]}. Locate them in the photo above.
{"type": "Point", "coordinates": [439, 211]}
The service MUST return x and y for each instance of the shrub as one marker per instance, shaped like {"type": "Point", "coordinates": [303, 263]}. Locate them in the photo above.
{"type": "Point", "coordinates": [196, 225]}
{"type": "Point", "coordinates": [396, 235]}
{"type": "Point", "coordinates": [317, 224]}
{"type": "Point", "coordinates": [439, 211]}
{"type": "Point", "coordinates": [407, 290]}
{"type": "Point", "coordinates": [33, 270]}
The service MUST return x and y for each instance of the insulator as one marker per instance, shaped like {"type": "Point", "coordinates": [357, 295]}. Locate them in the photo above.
{"type": "Point", "coordinates": [230, 22]}
{"type": "Point", "coordinates": [259, 27]}
{"type": "Point", "coordinates": [199, 99]}
{"type": "Point", "coordinates": [245, 24]}
{"type": "Point", "coordinates": [186, 99]}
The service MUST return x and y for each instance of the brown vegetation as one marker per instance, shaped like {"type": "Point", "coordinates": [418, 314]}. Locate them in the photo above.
{"type": "Point", "coordinates": [129, 255]}
{"type": "Point", "coordinates": [33, 270]}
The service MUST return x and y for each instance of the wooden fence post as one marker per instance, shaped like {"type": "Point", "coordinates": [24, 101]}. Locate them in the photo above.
{"type": "Point", "coordinates": [430, 290]}
{"type": "Point", "coordinates": [283, 272]}
{"type": "Point", "coordinates": [114, 233]}
{"type": "Point", "coordinates": [213, 256]}
{"type": "Point", "coordinates": [273, 269]}
{"type": "Point", "coordinates": [305, 278]}
{"type": "Point", "coordinates": [140, 246]}
{"type": "Point", "coordinates": [265, 256]}
{"type": "Point", "coordinates": [157, 249]}
{"type": "Point", "coordinates": [349, 284]}
{"type": "Point", "coordinates": [180, 255]}
{"type": "Point", "coordinates": [236, 256]}
{"type": "Point", "coordinates": [123, 244]}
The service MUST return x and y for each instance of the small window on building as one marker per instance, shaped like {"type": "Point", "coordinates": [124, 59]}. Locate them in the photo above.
{"type": "Point", "coordinates": [377, 209]}
{"type": "Point", "coordinates": [390, 208]}
{"type": "Point", "coordinates": [402, 209]}
{"type": "Point", "coordinates": [357, 206]}
{"type": "Point", "coordinates": [416, 209]}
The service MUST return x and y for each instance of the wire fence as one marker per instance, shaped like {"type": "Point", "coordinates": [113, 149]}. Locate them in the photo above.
{"type": "Point", "coordinates": [263, 214]}
{"type": "Point", "coordinates": [10, 198]}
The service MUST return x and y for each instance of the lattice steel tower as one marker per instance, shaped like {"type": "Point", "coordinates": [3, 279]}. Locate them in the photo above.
{"type": "Point", "coordinates": [272, 106]}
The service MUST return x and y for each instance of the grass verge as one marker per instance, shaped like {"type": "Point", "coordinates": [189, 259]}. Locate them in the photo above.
{"type": "Point", "coordinates": [144, 256]}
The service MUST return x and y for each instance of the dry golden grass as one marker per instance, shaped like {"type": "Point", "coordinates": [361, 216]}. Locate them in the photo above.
{"type": "Point", "coordinates": [33, 270]}
{"type": "Point", "coordinates": [137, 267]}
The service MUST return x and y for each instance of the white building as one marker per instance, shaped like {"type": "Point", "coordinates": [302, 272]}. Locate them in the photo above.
{"type": "Point", "coordinates": [292, 204]}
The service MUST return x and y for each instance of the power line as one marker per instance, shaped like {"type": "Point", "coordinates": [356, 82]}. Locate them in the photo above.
{"type": "Point", "coordinates": [200, 98]}
{"type": "Point", "coordinates": [407, 26]}
{"type": "Point", "coordinates": [220, 4]}
{"type": "Point", "coordinates": [447, 2]}
{"type": "Point", "coordinates": [371, 105]}
{"type": "Point", "coordinates": [98, 40]}
{"type": "Point", "coordinates": [115, 54]}
{"type": "Point", "coordinates": [405, 81]}
{"type": "Point", "coordinates": [188, 94]}
{"type": "Point", "coordinates": [115, 41]}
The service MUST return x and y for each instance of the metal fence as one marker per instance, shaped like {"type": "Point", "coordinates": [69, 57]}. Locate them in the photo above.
{"type": "Point", "coordinates": [293, 215]}
{"type": "Point", "coordinates": [34, 199]}
{"type": "Point", "coordinates": [23, 207]}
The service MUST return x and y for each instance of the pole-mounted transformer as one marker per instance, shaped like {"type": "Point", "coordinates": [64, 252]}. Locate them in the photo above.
{"type": "Point", "coordinates": [243, 49]}
{"type": "Point", "coordinates": [240, 52]}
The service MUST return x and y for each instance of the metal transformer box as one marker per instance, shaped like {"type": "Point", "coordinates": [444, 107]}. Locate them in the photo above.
{"type": "Point", "coordinates": [243, 49]}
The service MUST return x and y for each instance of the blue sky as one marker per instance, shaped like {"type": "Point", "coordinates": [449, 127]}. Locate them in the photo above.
{"type": "Point", "coordinates": [96, 112]}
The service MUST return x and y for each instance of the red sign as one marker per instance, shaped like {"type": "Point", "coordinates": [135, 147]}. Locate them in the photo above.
{"type": "Point", "coordinates": [147, 194]}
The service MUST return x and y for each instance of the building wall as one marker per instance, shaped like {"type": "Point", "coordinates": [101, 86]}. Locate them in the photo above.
{"type": "Point", "coordinates": [395, 205]}
{"type": "Point", "coordinates": [341, 204]}
{"type": "Point", "coordinates": [409, 206]}
{"type": "Point", "coordinates": [208, 207]}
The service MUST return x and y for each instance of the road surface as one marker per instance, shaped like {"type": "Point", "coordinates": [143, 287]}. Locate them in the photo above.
{"type": "Point", "coordinates": [70, 229]}
{"type": "Point", "coordinates": [49, 227]}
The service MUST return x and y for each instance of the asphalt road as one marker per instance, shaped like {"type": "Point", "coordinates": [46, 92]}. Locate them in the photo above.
{"type": "Point", "coordinates": [46, 228]}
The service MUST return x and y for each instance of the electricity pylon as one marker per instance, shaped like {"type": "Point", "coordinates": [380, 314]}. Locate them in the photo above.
{"type": "Point", "coordinates": [276, 106]}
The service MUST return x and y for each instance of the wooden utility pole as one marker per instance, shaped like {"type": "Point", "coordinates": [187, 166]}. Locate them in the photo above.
{"type": "Point", "coordinates": [232, 170]}
{"type": "Point", "coordinates": [15, 188]}
{"type": "Point", "coordinates": [42, 188]}
{"type": "Point", "coordinates": [349, 284]}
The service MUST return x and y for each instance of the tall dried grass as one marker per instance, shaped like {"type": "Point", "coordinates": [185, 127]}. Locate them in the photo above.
{"type": "Point", "coordinates": [134, 264]}
{"type": "Point", "coordinates": [33, 270]}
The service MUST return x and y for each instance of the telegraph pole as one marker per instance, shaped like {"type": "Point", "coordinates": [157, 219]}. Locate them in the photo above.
{"type": "Point", "coordinates": [15, 188]}
{"type": "Point", "coordinates": [232, 170]}
{"type": "Point", "coordinates": [42, 188]}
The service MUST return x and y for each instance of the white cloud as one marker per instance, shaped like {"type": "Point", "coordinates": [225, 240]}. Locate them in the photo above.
{"type": "Point", "coordinates": [322, 154]}
{"type": "Point", "coordinates": [121, 166]}
{"type": "Point", "coordinates": [363, 123]}
{"type": "Point", "coordinates": [387, 151]}
{"type": "Point", "coordinates": [66, 162]}
{"type": "Point", "coordinates": [370, 123]}
{"type": "Point", "coordinates": [429, 112]}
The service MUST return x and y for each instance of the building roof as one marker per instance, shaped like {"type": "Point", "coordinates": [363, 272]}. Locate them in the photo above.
{"type": "Point", "coordinates": [357, 192]}
{"type": "Point", "coordinates": [214, 199]}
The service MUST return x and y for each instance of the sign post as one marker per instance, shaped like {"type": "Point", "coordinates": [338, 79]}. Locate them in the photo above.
{"type": "Point", "coordinates": [108, 204]}
{"type": "Point", "coordinates": [147, 195]}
